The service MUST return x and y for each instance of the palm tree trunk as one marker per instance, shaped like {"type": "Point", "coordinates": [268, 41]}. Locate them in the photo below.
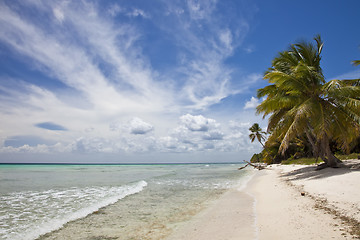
{"type": "Point", "coordinates": [326, 155]}
{"type": "Point", "coordinates": [313, 144]}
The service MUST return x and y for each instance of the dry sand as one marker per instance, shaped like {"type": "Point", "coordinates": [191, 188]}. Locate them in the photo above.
{"type": "Point", "coordinates": [272, 207]}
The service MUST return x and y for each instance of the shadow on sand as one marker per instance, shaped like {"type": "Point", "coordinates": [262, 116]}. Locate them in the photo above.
{"type": "Point", "coordinates": [310, 173]}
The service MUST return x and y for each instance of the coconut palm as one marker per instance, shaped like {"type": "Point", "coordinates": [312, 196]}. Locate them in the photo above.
{"type": "Point", "coordinates": [257, 133]}
{"type": "Point", "coordinates": [300, 101]}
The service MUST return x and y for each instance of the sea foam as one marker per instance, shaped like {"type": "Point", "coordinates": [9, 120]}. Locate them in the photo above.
{"type": "Point", "coordinates": [30, 214]}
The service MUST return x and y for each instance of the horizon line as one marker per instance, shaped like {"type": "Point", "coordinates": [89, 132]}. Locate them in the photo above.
{"type": "Point", "coordinates": [176, 163]}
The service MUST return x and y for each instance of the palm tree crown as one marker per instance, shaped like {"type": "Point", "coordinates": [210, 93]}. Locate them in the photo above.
{"type": "Point", "coordinates": [257, 133]}
{"type": "Point", "coordinates": [300, 101]}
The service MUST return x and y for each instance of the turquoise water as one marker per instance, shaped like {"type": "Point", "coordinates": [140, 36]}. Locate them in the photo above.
{"type": "Point", "coordinates": [38, 199]}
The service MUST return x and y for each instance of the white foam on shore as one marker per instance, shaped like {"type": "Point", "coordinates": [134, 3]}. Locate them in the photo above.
{"type": "Point", "coordinates": [246, 179]}
{"type": "Point", "coordinates": [34, 228]}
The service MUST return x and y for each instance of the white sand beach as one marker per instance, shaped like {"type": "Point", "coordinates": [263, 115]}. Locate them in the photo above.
{"type": "Point", "coordinates": [280, 202]}
{"type": "Point", "coordinates": [272, 206]}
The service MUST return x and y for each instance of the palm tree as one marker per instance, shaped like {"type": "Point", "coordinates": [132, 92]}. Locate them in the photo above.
{"type": "Point", "coordinates": [257, 133]}
{"type": "Point", "coordinates": [300, 101]}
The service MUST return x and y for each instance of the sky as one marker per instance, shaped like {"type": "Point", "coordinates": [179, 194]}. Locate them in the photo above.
{"type": "Point", "coordinates": [151, 81]}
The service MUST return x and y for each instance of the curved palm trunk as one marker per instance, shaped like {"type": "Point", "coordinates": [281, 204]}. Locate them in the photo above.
{"type": "Point", "coordinates": [326, 155]}
{"type": "Point", "coordinates": [313, 144]}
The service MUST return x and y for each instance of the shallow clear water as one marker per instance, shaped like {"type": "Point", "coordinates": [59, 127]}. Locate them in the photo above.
{"type": "Point", "coordinates": [37, 199]}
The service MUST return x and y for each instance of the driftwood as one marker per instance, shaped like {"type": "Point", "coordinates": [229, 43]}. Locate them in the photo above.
{"type": "Point", "coordinates": [243, 167]}
{"type": "Point", "coordinates": [257, 166]}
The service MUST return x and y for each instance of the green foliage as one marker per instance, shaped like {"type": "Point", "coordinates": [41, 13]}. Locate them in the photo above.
{"type": "Point", "coordinates": [302, 161]}
{"type": "Point", "coordinates": [301, 104]}
{"type": "Point", "coordinates": [348, 156]}
{"type": "Point", "coordinates": [257, 157]}
{"type": "Point", "coordinates": [310, 161]}
{"type": "Point", "coordinates": [356, 62]}
{"type": "Point", "coordinates": [257, 133]}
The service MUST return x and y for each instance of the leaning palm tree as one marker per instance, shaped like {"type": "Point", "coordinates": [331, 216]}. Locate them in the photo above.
{"type": "Point", "coordinates": [257, 133]}
{"type": "Point", "coordinates": [300, 101]}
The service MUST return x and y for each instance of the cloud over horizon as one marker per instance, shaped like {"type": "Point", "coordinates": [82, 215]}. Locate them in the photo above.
{"type": "Point", "coordinates": [128, 77]}
{"type": "Point", "coordinates": [92, 72]}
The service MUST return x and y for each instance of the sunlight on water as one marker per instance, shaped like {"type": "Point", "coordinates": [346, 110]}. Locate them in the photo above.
{"type": "Point", "coordinates": [39, 199]}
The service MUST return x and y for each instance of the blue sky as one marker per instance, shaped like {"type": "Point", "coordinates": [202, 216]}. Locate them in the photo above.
{"type": "Point", "coordinates": [151, 81]}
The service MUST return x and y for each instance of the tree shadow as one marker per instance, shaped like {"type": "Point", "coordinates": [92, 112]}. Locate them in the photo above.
{"type": "Point", "coordinates": [310, 172]}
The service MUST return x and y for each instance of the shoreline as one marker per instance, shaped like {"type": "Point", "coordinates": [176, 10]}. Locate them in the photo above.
{"type": "Point", "coordinates": [272, 206]}
{"type": "Point", "coordinates": [228, 217]}
{"type": "Point", "coordinates": [268, 204]}
{"type": "Point", "coordinates": [153, 213]}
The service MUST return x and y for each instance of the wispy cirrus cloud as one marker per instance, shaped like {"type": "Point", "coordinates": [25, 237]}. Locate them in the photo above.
{"type": "Point", "coordinates": [76, 67]}
{"type": "Point", "coordinates": [205, 41]}
{"type": "Point", "coordinates": [97, 74]}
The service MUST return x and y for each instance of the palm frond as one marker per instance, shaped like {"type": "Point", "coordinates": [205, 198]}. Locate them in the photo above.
{"type": "Point", "coordinates": [299, 101]}
{"type": "Point", "coordinates": [356, 62]}
{"type": "Point", "coordinates": [269, 90]}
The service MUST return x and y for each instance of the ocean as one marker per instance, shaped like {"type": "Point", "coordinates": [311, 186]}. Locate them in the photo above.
{"type": "Point", "coordinates": [107, 201]}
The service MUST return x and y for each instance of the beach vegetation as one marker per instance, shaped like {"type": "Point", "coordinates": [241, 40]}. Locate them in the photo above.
{"type": "Point", "coordinates": [308, 115]}
{"type": "Point", "coordinates": [257, 133]}
{"type": "Point", "coordinates": [301, 161]}
{"type": "Point", "coordinates": [354, 155]}
{"type": "Point", "coordinates": [256, 158]}
{"type": "Point", "coordinates": [312, 160]}
{"type": "Point", "coordinates": [267, 155]}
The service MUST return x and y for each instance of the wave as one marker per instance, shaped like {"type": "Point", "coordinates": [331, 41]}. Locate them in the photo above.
{"type": "Point", "coordinates": [49, 210]}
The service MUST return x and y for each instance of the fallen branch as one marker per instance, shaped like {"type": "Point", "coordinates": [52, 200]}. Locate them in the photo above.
{"type": "Point", "coordinates": [243, 167]}
{"type": "Point", "coordinates": [257, 166]}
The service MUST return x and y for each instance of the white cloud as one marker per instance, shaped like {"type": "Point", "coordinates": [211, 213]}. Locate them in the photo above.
{"type": "Point", "coordinates": [93, 145]}
{"type": "Point", "coordinates": [197, 123]}
{"type": "Point", "coordinates": [106, 79]}
{"type": "Point", "coordinates": [174, 10]}
{"type": "Point", "coordinates": [214, 135]}
{"type": "Point", "coordinates": [168, 143]}
{"type": "Point", "coordinates": [226, 38]}
{"type": "Point", "coordinates": [76, 69]}
{"type": "Point", "coordinates": [249, 49]}
{"type": "Point", "coordinates": [59, 14]}
{"type": "Point", "coordinates": [115, 9]}
{"type": "Point", "coordinates": [208, 40]}
{"type": "Point", "coordinates": [138, 12]}
{"type": "Point", "coordinates": [253, 103]}
{"type": "Point", "coordinates": [237, 125]}
{"type": "Point", "coordinates": [200, 9]}
{"type": "Point", "coordinates": [350, 75]}
{"type": "Point", "coordinates": [40, 148]}
{"type": "Point", "coordinates": [138, 126]}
